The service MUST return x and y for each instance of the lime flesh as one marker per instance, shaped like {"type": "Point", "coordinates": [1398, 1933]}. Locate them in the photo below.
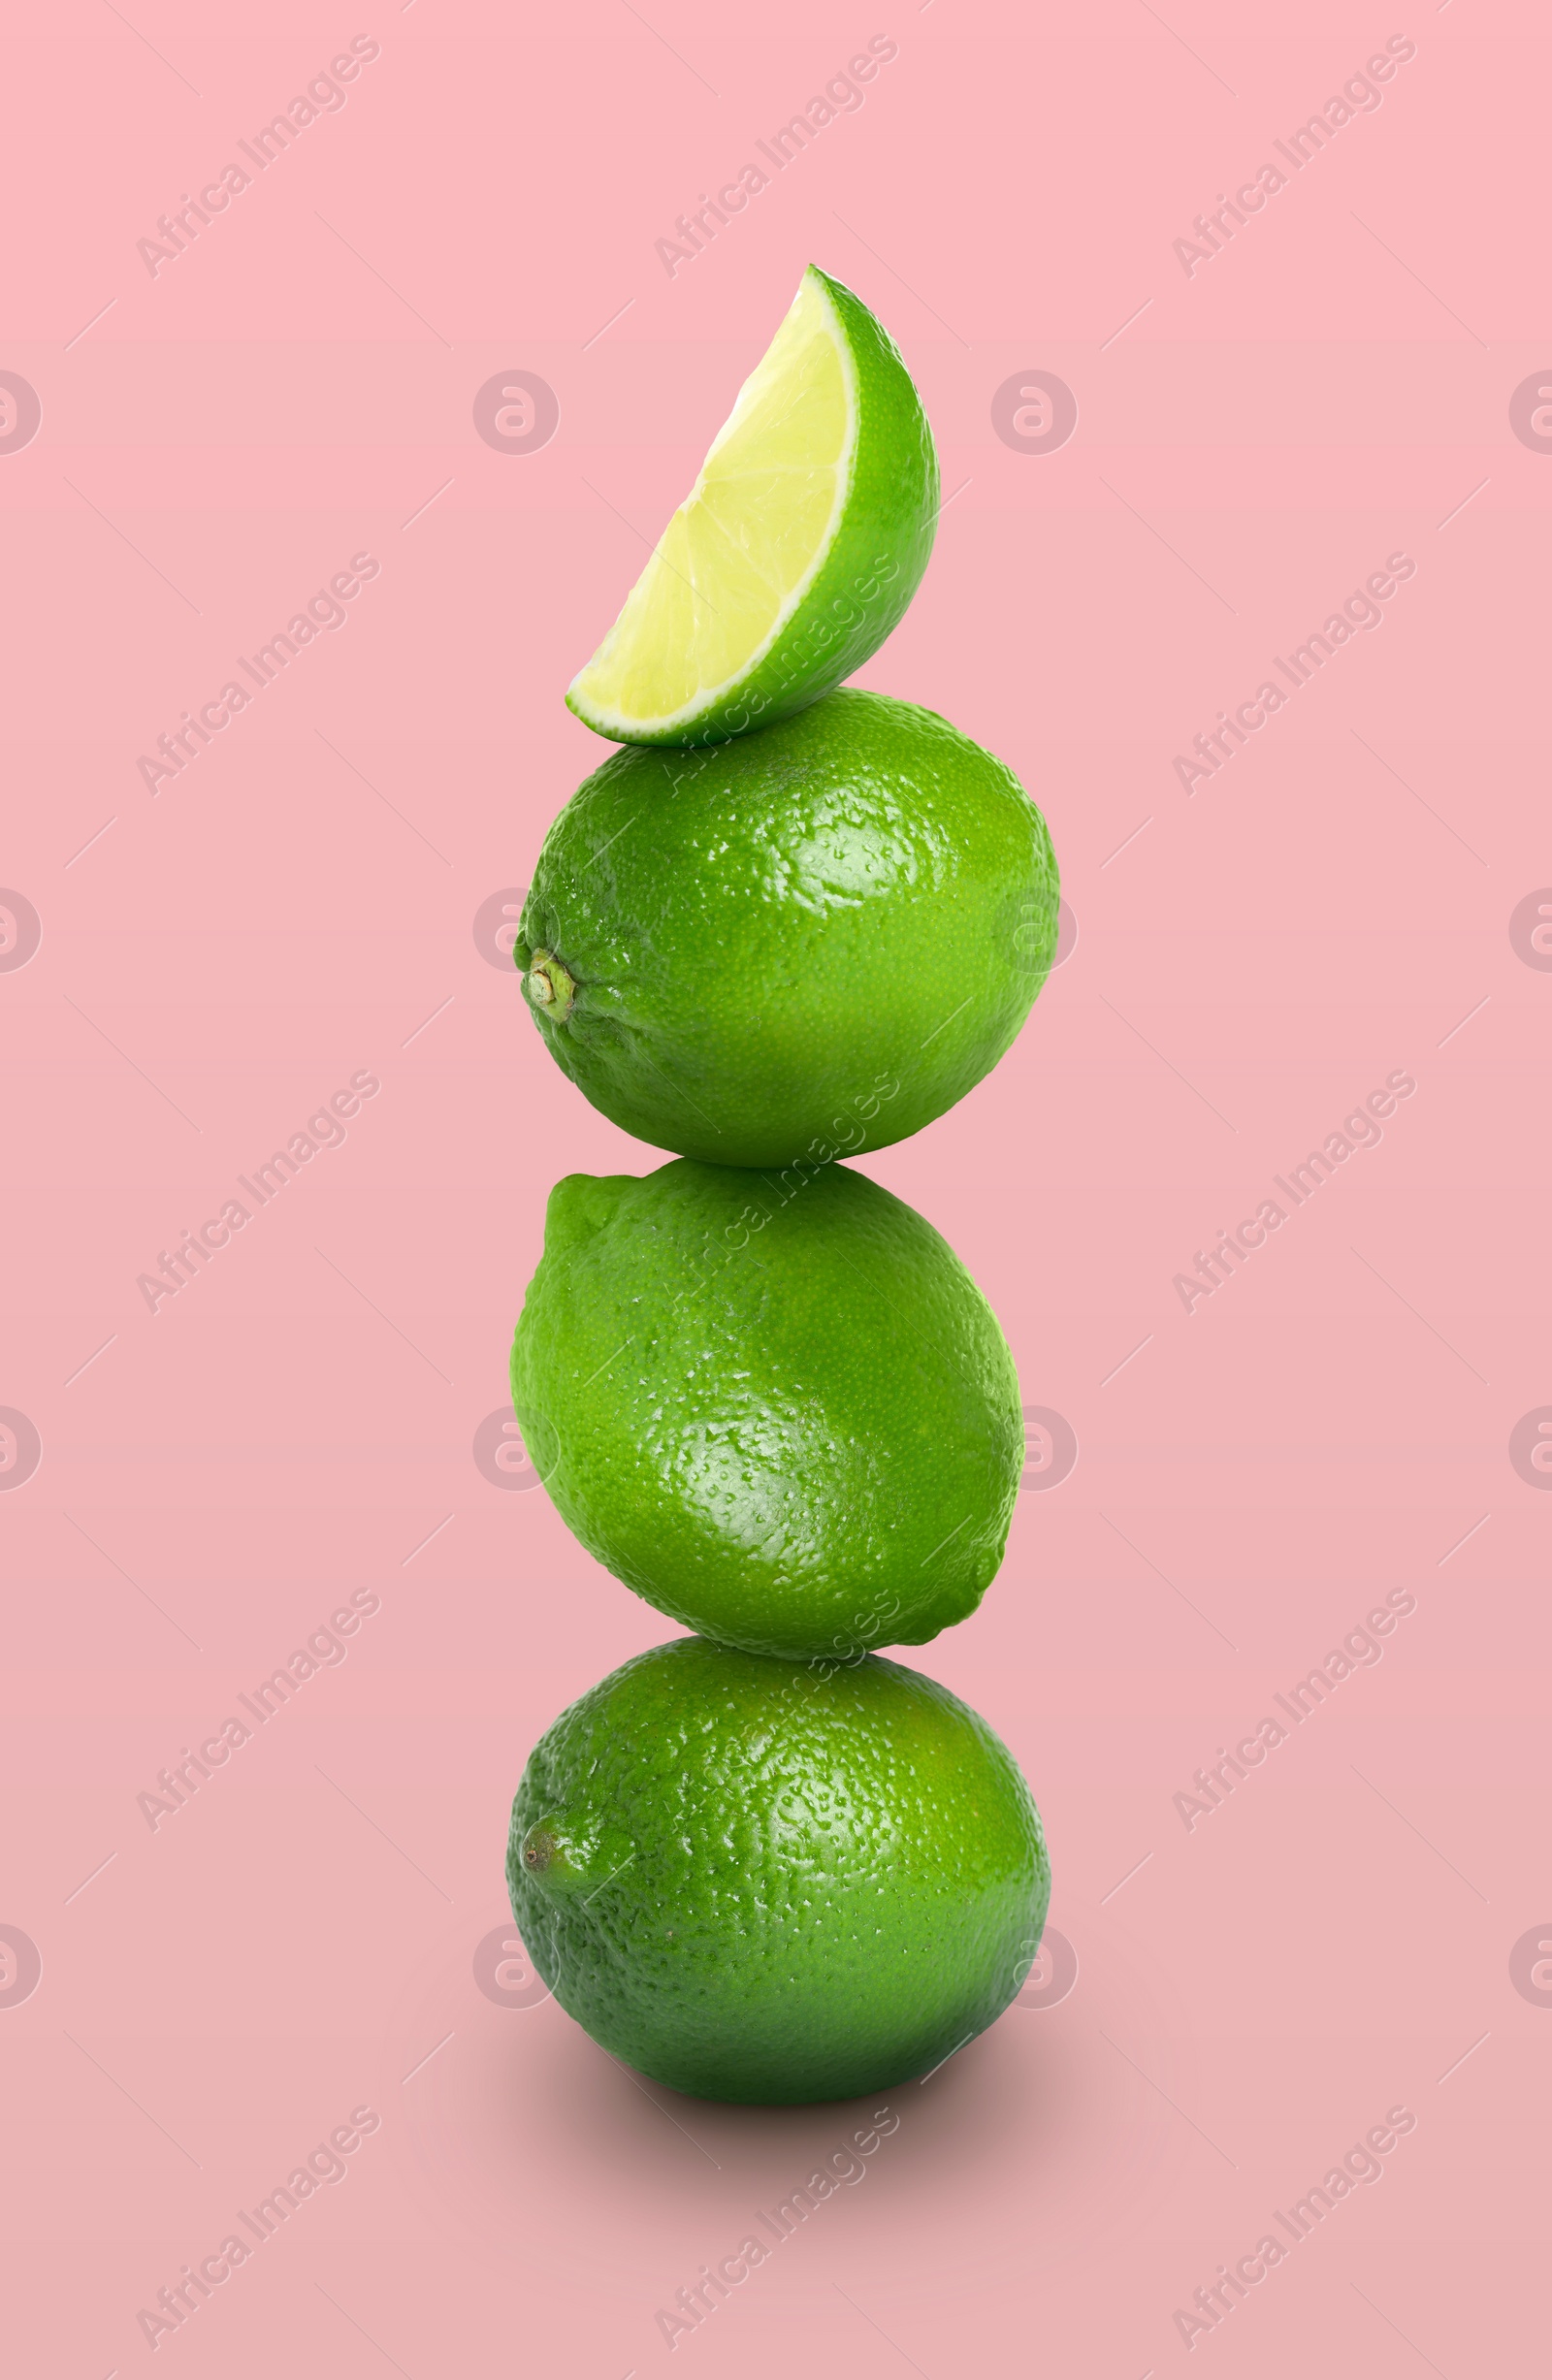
{"type": "Point", "coordinates": [797, 551]}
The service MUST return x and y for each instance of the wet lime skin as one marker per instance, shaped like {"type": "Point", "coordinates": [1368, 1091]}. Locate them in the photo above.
{"type": "Point", "coordinates": [770, 1881]}
{"type": "Point", "coordinates": [774, 1405]}
{"type": "Point", "coordinates": [819, 936]}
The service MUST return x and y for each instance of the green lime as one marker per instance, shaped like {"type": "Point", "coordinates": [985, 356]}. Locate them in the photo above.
{"type": "Point", "coordinates": [796, 551]}
{"type": "Point", "coordinates": [819, 936]}
{"type": "Point", "coordinates": [755, 1880]}
{"type": "Point", "coordinates": [775, 1405]}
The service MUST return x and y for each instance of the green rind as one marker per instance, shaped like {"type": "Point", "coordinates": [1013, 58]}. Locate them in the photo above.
{"type": "Point", "coordinates": [863, 589]}
{"type": "Point", "coordinates": [831, 1883]}
{"type": "Point", "coordinates": [823, 933]}
{"type": "Point", "coordinates": [778, 1409]}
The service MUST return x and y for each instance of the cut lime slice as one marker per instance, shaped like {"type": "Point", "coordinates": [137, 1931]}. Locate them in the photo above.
{"type": "Point", "coordinates": [796, 551]}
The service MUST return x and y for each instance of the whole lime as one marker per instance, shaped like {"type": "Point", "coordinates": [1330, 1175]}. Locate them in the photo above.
{"type": "Point", "coordinates": [755, 1881]}
{"type": "Point", "coordinates": [777, 1407]}
{"type": "Point", "coordinates": [815, 938]}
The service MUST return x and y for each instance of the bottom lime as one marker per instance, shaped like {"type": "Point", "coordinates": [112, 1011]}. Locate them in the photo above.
{"type": "Point", "coordinates": [772, 1880]}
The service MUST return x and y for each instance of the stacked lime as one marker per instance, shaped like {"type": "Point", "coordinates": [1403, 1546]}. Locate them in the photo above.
{"type": "Point", "coordinates": [796, 551]}
{"type": "Point", "coordinates": [784, 924]}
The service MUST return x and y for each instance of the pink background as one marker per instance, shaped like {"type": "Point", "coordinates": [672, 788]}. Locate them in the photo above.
{"type": "Point", "coordinates": [297, 904]}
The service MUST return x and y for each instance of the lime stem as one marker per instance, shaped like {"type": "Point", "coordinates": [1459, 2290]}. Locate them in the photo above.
{"type": "Point", "coordinates": [549, 986]}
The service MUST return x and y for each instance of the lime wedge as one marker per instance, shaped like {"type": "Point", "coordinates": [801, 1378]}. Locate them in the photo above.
{"type": "Point", "coordinates": [796, 551]}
